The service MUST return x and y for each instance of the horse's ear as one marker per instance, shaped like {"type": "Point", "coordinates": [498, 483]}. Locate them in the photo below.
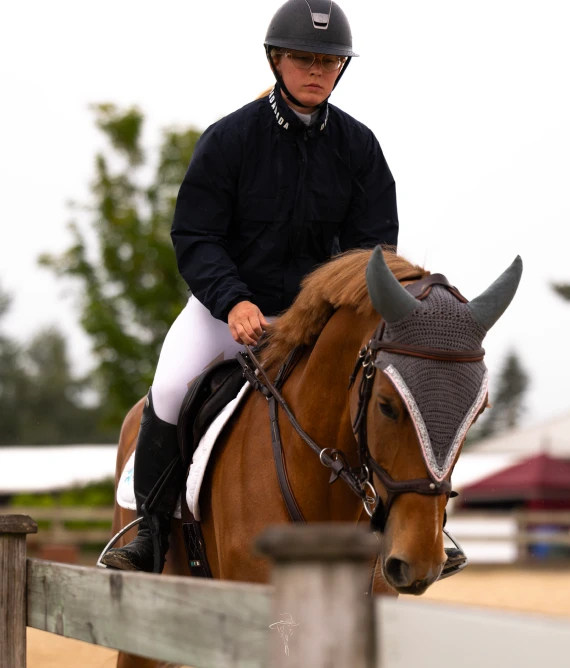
{"type": "Point", "coordinates": [490, 305]}
{"type": "Point", "coordinates": [388, 297]}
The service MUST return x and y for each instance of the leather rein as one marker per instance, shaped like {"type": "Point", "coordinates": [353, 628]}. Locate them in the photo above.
{"type": "Point", "coordinates": [359, 478]}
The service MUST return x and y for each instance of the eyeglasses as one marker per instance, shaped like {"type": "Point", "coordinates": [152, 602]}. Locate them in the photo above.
{"type": "Point", "coordinates": [304, 60]}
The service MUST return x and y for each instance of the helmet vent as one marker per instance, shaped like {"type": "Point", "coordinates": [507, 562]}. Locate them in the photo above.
{"type": "Point", "coordinates": [320, 21]}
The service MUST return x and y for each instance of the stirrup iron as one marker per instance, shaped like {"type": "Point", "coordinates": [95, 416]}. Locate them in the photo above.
{"type": "Point", "coordinates": [462, 560]}
{"type": "Point", "coordinates": [115, 538]}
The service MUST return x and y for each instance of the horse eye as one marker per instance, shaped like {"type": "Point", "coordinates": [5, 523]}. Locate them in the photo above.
{"type": "Point", "coordinates": [387, 410]}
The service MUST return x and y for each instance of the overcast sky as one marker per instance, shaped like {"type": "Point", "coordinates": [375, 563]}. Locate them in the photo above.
{"type": "Point", "coordinates": [470, 102]}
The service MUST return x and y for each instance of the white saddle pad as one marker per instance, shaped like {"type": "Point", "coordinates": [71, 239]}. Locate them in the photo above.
{"type": "Point", "coordinates": [126, 491]}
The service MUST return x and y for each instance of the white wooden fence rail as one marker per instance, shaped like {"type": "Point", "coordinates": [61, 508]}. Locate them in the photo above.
{"type": "Point", "coordinates": [414, 634]}
{"type": "Point", "coordinates": [488, 537]}
{"type": "Point", "coordinates": [315, 609]}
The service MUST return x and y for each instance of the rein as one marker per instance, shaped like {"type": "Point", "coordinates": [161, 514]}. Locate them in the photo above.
{"type": "Point", "coordinates": [360, 478]}
{"type": "Point", "coordinates": [332, 458]}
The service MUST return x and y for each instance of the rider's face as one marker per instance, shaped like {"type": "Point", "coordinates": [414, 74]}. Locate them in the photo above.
{"type": "Point", "coordinates": [309, 86]}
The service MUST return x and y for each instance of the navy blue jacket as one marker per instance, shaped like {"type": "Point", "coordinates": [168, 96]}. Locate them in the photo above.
{"type": "Point", "coordinates": [266, 199]}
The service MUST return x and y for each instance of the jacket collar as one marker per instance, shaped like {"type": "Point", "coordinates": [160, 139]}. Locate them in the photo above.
{"type": "Point", "coordinates": [288, 120]}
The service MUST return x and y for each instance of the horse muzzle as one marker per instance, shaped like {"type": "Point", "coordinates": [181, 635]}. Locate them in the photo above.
{"type": "Point", "coordinates": [407, 578]}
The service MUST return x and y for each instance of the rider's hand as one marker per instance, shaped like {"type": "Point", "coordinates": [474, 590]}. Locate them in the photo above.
{"type": "Point", "coordinates": [246, 323]}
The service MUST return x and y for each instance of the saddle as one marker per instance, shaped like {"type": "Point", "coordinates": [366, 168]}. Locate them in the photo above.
{"type": "Point", "coordinates": [208, 394]}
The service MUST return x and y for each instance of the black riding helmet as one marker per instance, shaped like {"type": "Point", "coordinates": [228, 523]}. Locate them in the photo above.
{"type": "Point", "coordinates": [318, 26]}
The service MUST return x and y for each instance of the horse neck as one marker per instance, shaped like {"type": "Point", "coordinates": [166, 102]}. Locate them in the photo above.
{"type": "Point", "coordinates": [317, 394]}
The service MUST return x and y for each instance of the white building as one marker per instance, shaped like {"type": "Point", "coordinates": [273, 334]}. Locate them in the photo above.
{"type": "Point", "coordinates": [46, 468]}
{"type": "Point", "coordinates": [52, 468]}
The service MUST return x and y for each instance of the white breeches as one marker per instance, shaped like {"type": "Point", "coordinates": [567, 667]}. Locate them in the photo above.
{"type": "Point", "coordinates": [195, 340]}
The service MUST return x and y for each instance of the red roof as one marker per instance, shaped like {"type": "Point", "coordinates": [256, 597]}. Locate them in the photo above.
{"type": "Point", "coordinates": [540, 477]}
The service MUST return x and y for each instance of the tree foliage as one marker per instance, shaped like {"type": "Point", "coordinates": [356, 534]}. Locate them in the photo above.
{"type": "Point", "coordinates": [507, 403]}
{"type": "Point", "coordinates": [12, 380]}
{"type": "Point", "coordinates": [562, 289]}
{"type": "Point", "coordinates": [41, 400]}
{"type": "Point", "coordinates": [92, 495]}
{"type": "Point", "coordinates": [122, 255]}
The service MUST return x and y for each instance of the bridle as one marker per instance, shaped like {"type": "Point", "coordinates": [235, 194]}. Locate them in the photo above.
{"type": "Point", "coordinates": [359, 478]}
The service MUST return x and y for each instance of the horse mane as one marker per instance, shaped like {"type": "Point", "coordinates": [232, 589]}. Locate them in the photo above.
{"type": "Point", "coordinates": [339, 282]}
{"type": "Point", "coordinates": [265, 93]}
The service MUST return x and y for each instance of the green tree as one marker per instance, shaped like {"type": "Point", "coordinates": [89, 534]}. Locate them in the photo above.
{"type": "Point", "coordinates": [507, 403]}
{"type": "Point", "coordinates": [13, 380]}
{"type": "Point", "coordinates": [41, 400]}
{"type": "Point", "coordinates": [53, 410]}
{"type": "Point", "coordinates": [130, 289]}
{"type": "Point", "coordinates": [562, 289]}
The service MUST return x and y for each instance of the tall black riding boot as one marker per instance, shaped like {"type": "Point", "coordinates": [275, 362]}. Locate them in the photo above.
{"type": "Point", "coordinates": [158, 469]}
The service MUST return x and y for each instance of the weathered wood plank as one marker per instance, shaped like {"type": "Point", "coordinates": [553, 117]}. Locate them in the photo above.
{"type": "Point", "coordinates": [58, 534]}
{"type": "Point", "coordinates": [317, 542]}
{"type": "Point", "coordinates": [63, 513]}
{"type": "Point", "coordinates": [206, 624]}
{"type": "Point", "coordinates": [17, 524]}
{"type": "Point", "coordinates": [322, 617]}
{"type": "Point", "coordinates": [13, 531]}
{"type": "Point", "coordinates": [70, 537]}
{"type": "Point", "coordinates": [413, 633]}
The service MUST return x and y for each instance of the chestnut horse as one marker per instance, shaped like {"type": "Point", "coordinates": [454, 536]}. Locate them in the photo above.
{"type": "Point", "coordinates": [333, 317]}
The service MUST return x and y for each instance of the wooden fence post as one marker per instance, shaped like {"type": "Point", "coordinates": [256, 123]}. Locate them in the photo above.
{"type": "Point", "coordinates": [322, 616]}
{"type": "Point", "coordinates": [13, 531]}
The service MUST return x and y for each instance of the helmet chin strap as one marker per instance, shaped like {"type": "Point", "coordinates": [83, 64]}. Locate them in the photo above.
{"type": "Point", "coordinates": [284, 88]}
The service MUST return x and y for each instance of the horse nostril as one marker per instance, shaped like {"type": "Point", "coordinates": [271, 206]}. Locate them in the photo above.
{"type": "Point", "coordinates": [398, 572]}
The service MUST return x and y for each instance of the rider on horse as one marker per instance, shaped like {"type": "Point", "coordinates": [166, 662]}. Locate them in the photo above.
{"type": "Point", "coordinates": [273, 190]}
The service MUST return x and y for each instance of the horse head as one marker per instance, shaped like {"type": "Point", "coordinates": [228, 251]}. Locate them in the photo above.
{"type": "Point", "coordinates": [423, 385]}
